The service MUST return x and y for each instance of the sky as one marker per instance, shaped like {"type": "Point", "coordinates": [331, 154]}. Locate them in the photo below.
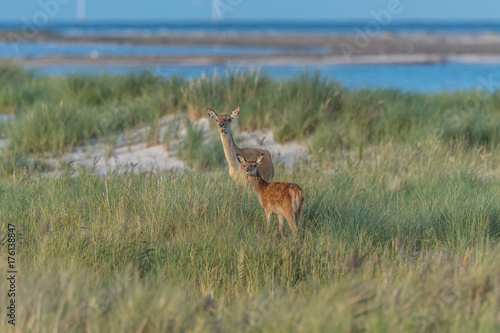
{"type": "Point", "coordinates": [18, 11]}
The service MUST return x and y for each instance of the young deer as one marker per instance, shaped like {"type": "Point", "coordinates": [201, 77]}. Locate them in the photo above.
{"type": "Point", "coordinates": [276, 198]}
{"type": "Point", "coordinates": [266, 169]}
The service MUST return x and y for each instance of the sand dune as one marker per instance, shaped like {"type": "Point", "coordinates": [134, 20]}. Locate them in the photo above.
{"type": "Point", "coordinates": [139, 156]}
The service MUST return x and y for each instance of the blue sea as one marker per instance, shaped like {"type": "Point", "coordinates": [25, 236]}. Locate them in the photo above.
{"type": "Point", "coordinates": [435, 77]}
{"type": "Point", "coordinates": [226, 27]}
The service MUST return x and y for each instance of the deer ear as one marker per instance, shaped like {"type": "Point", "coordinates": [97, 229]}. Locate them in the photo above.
{"type": "Point", "coordinates": [260, 159]}
{"type": "Point", "coordinates": [235, 112]}
{"type": "Point", "coordinates": [240, 158]}
{"type": "Point", "coordinates": [212, 114]}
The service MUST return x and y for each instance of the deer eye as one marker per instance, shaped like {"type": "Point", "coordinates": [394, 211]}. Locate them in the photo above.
{"type": "Point", "coordinates": [255, 165]}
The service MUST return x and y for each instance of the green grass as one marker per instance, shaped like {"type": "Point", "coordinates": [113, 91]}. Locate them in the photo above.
{"type": "Point", "coordinates": [403, 238]}
{"type": "Point", "coordinates": [401, 221]}
{"type": "Point", "coordinates": [200, 150]}
{"type": "Point", "coordinates": [57, 113]}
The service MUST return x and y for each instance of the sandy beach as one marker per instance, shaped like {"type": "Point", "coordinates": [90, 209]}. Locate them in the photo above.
{"type": "Point", "coordinates": [294, 49]}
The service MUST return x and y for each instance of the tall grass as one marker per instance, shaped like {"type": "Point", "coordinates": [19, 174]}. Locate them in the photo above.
{"type": "Point", "coordinates": [400, 229]}
{"type": "Point", "coordinates": [433, 292]}
{"type": "Point", "coordinates": [402, 238]}
{"type": "Point", "coordinates": [200, 150]}
{"type": "Point", "coordinates": [307, 107]}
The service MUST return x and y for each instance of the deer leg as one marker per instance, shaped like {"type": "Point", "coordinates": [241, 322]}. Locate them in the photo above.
{"type": "Point", "coordinates": [291, 222]}
{"type": "Point", "coordinates": [280, 217]}
{"type": "Point", "coordinates": [269, 217]}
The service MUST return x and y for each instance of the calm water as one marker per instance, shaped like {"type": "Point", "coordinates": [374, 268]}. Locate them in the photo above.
{"type": "Point", "coordinates": [36, 50]}
{"type": "Point", "coordinates": [419, 78]}
{"type": "Point", "coordinates": [422, 78]}
{"type": "Point", "coordinates": [261, 27]}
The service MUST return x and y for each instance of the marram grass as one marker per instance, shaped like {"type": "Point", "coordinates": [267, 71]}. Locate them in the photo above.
{"type": "Point", "coordinates": [399, 238]}
{"type": "Point", "coordinates": [400, 228]}
{"type": "Point", "coordinates": [57, 113]}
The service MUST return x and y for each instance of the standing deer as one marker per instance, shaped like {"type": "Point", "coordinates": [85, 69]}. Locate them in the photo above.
{"type": "Point", "coordinates": [277, 198]}
{"type": "Point", "coordinates": [266, 168]}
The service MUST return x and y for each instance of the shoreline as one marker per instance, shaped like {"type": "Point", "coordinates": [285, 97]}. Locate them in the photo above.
{"type": "Point", "coordinates": [207, 60]}
{"type": "Point", "coordinates": [257, 60]}
{"type": "Point", "coordinates": [361, 41]}
{"type": "Point", "coordinates": [338, 49]}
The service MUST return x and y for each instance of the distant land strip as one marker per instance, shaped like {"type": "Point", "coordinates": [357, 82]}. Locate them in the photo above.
{"type": "Point", "coordinates": [294, 49]}
{"type": "Point", "coordinates": [239, 59]}
{"type": "Point", "coordinates": [250, 59]}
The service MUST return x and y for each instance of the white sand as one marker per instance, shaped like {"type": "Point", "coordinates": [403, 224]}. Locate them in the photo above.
{"type": "Point", "coordinates": [128, 152]}
{"type": "Point", "coordinates": [286, 153]}
{"type": "Point", "coordinates": [137, 156]}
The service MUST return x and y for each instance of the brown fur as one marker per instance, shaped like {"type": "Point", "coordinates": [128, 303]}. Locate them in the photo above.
{"type": "Point", "coordinates": [277, 198]}
{"type": "Point", "coordinates": [266, 169]}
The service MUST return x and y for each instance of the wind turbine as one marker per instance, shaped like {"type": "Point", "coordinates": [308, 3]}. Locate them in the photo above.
{"type": "Point", "coordinates": [80, 11]}
{"type": "Point", "coordinates": [216, 11]}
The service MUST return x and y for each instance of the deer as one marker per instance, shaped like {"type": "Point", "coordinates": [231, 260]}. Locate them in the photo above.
{"type": "Point", "coordinates": [277, 198]}
{"type": "Point", "coordinates": [266, 168]}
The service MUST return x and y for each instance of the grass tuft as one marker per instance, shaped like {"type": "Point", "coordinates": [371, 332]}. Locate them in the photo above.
{"type": "Point", "coordinates": [401, 220]}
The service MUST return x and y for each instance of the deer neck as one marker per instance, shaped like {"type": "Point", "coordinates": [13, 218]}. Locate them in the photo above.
{"type": "Point", "coordinates": [230, 149]}
{"type": "Point", "coordinates": [257, 183]}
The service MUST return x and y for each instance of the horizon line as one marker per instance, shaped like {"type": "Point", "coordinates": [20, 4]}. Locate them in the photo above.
{"type": "Point", "coordinates": [263, 22]}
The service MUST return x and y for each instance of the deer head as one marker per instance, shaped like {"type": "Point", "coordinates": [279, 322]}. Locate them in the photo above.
{"type": "Point", "coordinates": [250, 167]}
{"type": "Point", "coordinates": [224, 120]}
